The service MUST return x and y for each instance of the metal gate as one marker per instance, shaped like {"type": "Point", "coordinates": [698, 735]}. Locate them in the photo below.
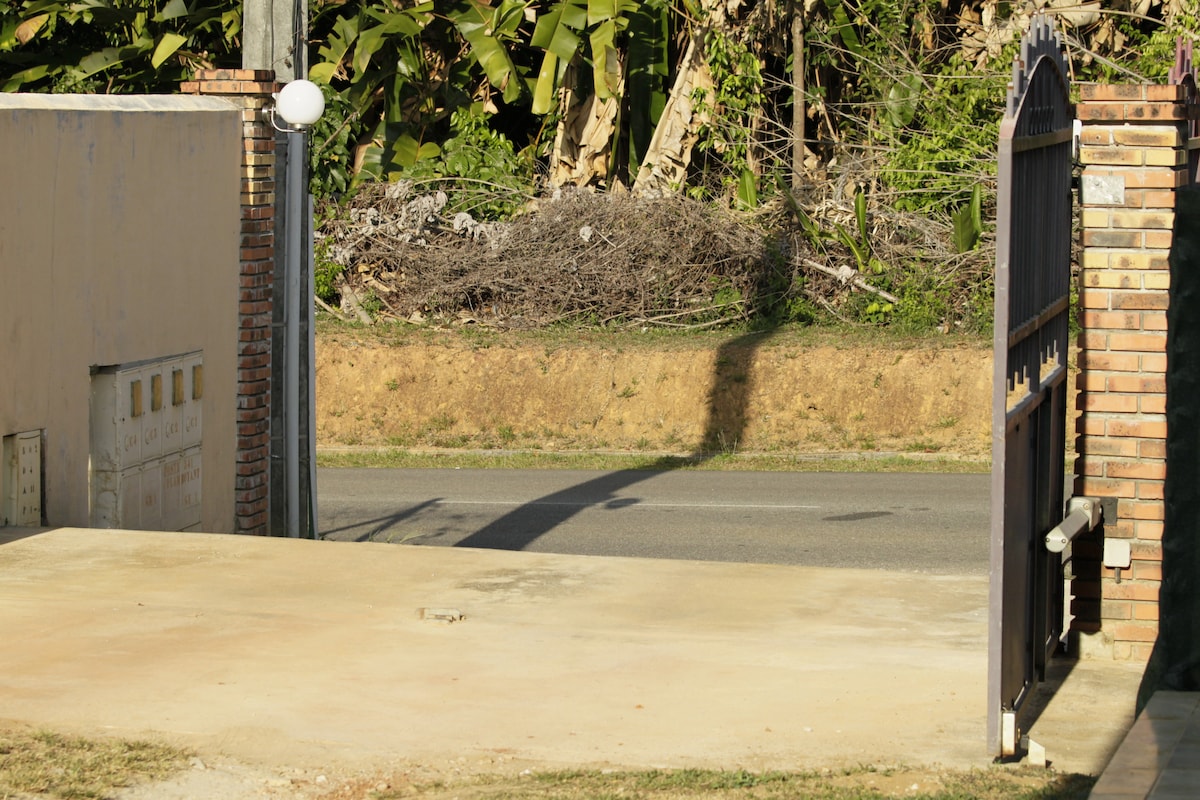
{"type": "Point", "coordinates": [1033, 258]}
{"type": "Point", "coordinates": [1183, 73]}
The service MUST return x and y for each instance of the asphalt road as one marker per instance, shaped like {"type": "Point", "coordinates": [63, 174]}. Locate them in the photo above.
{"type": "Point", "coordinates": [910, 522]}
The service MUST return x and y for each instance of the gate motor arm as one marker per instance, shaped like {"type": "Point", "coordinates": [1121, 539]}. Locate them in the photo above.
{"type": "Point", "coordinates": [1083, 514]}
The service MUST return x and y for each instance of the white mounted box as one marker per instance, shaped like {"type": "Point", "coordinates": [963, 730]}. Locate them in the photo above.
{"type": "Point", "coordinates": [172, 424]}
{"type": "Point", "coordinates": [193, 407]}
{"type": "Point", "coordinates": [152, 416]}
{"type": "Point", "coordinates": [1118, 553]}
{"type": "Point", "coordinates": [189, 489]}
{"type": "Point", "coordinates": [117, 406]}
{"type": "Point", "coordinates": [150, 505]}
{"type": "Point", "coordinates": [145, 443]}
{"type": "Point", "coordinates": [21, 499]}
{"type": "Point", "coordinates": [129, 497]}
{"type": "Point", "coordinates": [131, 407]}
{"type": "Point", "coordinates": [118, 499]}
{"type": "Point", "coordinates": [104, 488]}
{"type": "Point", "coordinates": [181, 479]}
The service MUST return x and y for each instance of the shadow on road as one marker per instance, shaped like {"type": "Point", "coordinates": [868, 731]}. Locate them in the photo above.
{"type": "Point", "coordinates": [728, 404]}
{"type": "Point", "coordinates": [381, 524]}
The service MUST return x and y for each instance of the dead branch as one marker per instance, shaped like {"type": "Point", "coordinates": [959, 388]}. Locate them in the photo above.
{"type": "Point", "coordinates": [330, 309]}
{"type": "Point", "coordinates": [587, 259]}
{"type": "Point", "coordinates": [849, 275]}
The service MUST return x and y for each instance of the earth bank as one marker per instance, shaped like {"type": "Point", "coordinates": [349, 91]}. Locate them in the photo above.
{"type": "Point", "coordinates": [749, 393]}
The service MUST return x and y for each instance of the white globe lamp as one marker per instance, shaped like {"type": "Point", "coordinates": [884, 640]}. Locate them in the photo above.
{"type": "Point", "coordinates": [300, 103]}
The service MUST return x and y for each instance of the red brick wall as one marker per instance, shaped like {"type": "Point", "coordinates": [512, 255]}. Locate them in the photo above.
{"type": "Point", "coordinates": [252, 90]}
{"type": "Point", "coordinates": [1134, 155]}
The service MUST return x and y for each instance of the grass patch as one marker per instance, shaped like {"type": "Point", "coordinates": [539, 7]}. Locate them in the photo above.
{"type": "Point", "coordinates": [549, 340]}
{"type": "Point", "coordinates": [400, 458]}
{"type": "Point", "coordinates": [71, 767]}
{"type": "Point", "coordinates": [865, 783]}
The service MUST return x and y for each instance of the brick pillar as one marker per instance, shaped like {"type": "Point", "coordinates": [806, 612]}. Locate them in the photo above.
{"type": "Point", "coordinates": [1134, 155]}
{"type": "Point", "coordinates": [252, 90]}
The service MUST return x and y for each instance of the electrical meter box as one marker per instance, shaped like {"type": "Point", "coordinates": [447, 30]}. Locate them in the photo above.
{"type": "Point", "coordinates": [21, 479]}
{"type": "Point", "coordinates": [145, 444]}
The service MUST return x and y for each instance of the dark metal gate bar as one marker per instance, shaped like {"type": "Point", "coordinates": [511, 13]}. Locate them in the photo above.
{"type": "Point", "coordinates": [1183, 73]}
{"type": "Point", "coordinates": [1033, 267]}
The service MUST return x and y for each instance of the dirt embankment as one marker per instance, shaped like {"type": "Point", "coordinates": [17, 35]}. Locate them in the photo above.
{"type": "Point", "coordinates": [746, 394]}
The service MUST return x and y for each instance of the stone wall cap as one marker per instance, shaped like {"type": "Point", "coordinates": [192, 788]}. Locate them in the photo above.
{"type": "Point", "coordinates": [114, 102]}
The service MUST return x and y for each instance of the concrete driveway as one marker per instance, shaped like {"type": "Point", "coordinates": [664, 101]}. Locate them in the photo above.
{"type": "Point", "coordinates": [299, 652]}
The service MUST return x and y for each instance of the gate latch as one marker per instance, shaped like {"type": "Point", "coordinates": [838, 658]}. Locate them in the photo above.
{"type": "Point", "coordinates": [1083, 514]}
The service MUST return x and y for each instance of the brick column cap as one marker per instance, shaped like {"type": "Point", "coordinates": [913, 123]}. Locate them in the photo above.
{"type": "Point", "coordinates": [1136, 111]}
{"type": "Point", "coordinates": [1135, 103]}
{"type": "Point", "coordinates": [234, 75]}
{"type": "Point", "coordinates": [232, 82]}
{"type": "Point", "coordinates": [1131, 93]}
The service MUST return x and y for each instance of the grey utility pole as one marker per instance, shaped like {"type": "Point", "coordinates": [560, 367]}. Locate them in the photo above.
{"type": "Point", "coordinates": [271, 37]}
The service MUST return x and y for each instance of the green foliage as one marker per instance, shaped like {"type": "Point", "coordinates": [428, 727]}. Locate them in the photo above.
{"type": "Point", "coordinates": [903, 100]}
{"type": "Point", "coordinates": [929, 300]}
{"type": "Point", "coordinates": [399, 75]}
{"type": "Point", "coordinates": [736, 99]}
{"type": "Point", "coordinates": [878, 311]}
{"type": "Point", "coordinates": [626, 44]}
{"type": "Point", "coordinates": [378, 62]}
{"type": "Point", "coordinates": [114, 46]}
{"type": "Point", "coordinates": [860, 246]}
{"type": "Point", "coordinates": [725, 294]}
{"type": "Point", "coordinates": [968, 222]}
{"type": "Point", "coordinates": [479, 169]}
{"type": "Point", "coordinates": [325, 279]}
{"type": "Point", "coordinates": [326, 273]}
{"type": "Point", "coordinates": [950, 146]}
{"type": "Point", "coordinates": [647, 70]}
{"type": "Point", "coordinates": [1149, 49]}
{"type": "Point", "coordinates": [489, 30]}
{"type": "Point", "coordinates": [561, 32]}
{"type": "Point", "coordinates": [926, 121]}
{"type": "Point", "coordinates": [331, 146]}
{"type": "Point", "coordinates": [557, 33]}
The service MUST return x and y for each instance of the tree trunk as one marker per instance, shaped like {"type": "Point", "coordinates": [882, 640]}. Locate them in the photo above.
{"type": "Point", "coordinates": [798, 108]}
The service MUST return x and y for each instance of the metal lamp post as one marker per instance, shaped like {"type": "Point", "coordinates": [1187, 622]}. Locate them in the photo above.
{"type": "Point", "coordinates": [299, 105]}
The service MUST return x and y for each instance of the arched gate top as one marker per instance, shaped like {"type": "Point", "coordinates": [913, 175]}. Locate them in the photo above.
{"type": "Point", "coordinates": [1039, 94]}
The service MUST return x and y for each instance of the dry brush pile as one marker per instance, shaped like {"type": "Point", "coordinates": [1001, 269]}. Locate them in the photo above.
{"type": "Point", "coordinates": [581, 258]}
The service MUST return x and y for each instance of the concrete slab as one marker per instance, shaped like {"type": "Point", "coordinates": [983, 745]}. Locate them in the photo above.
{"type": "Point", "coordinates": [298, 652]}
{"type": "Point", "coordinates": [1082, 711]}
{"type": "Point", "coordinates": [1159, 759]}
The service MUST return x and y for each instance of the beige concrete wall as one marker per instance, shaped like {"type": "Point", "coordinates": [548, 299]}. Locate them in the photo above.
{"type": "Point", "coordinates": [119, 242]}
